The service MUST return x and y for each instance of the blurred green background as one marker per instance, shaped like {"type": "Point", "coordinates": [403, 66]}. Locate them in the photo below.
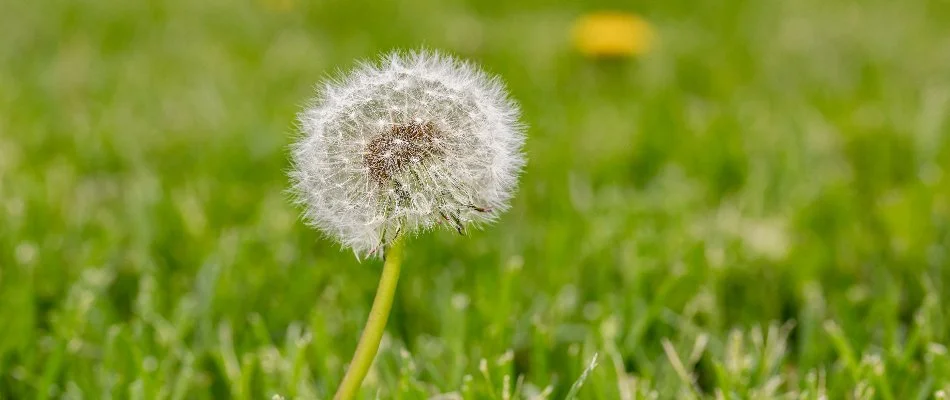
{"type": "Point", "coordinates": [759, 207]}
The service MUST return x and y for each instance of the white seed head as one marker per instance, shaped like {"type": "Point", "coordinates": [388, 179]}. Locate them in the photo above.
{"type": "Point", "coordinates": [399, 146]}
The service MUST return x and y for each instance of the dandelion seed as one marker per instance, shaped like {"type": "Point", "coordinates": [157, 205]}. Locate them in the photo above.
{"type": "Point", "coordinates": [400, 146]}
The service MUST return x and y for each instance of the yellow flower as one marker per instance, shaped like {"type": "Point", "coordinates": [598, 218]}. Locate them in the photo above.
{"type": "Point", "coordinates": [612, 34]}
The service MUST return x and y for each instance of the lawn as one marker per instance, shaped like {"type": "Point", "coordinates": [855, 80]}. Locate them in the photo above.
{"type": "Point", "coordinates": [759, 207]}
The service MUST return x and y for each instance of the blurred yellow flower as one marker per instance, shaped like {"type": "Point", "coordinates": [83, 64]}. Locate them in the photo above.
{"type": "Point", "coordinates": [612, 34]}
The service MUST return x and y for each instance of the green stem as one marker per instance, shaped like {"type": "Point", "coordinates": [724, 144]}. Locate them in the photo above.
{"type": "Point", "coordinates": [375, 325]}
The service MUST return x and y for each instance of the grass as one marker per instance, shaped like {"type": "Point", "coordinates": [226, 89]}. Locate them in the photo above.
{"type": "Point", "coordinates": [758, 208]}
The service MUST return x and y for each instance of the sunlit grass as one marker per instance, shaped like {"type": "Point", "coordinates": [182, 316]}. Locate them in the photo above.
{"type": "Point", "coordinates": [758, 206]}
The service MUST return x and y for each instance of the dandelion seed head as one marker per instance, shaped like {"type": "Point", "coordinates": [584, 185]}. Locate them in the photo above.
{"type": "Point", "coordinates": [402, 145]}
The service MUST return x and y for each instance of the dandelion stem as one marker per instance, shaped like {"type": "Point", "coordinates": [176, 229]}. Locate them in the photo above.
{"type": "Point", "coordinates": [375, 325]}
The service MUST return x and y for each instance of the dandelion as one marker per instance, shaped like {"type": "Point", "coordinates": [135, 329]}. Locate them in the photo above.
{"type": "Point", "coordinates": [398, 147]}
{"type": "Point", "coordinates": [613, 34]}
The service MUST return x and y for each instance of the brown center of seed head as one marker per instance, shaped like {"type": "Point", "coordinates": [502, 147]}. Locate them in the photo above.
{"type": "Point", "coordinates": [398, 148]}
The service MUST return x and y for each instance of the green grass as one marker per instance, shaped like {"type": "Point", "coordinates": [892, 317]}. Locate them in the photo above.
{"type": "Point", "coordinates": [758, 208]}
